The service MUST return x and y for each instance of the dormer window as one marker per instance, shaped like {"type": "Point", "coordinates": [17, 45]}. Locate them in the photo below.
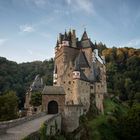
{"type": "Point", "coordinates": [76, 75]}
{"type": "Point", "coordinates": [65, 43]}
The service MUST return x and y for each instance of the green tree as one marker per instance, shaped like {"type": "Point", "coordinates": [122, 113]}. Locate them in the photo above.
{"type": "Point", "coordinates": [36, 99]}
{"type": "Point", "coordinates": [8, 106]}
{"type": "Point", "coordinates": [129, 125]}
{"type": "Point", "coordinates": [137, 97]}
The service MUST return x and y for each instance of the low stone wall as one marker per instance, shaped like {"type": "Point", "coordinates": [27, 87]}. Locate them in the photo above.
{"type": "Point", "coordinates": [53, 125]}
{"type": "Point", "coordinates": [8, 124]}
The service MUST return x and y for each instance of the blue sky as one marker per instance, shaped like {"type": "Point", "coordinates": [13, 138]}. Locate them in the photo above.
{"type": "Point", "coordinates": [29, 28]}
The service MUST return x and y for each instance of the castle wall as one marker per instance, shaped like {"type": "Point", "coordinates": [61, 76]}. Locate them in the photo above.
{"type": "Point", "coordinates": [70, 119]}
{"type": "Point", "coordinates": [81, 93]}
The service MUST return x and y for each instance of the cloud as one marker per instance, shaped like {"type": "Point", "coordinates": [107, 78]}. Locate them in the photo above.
{"type": "Point", "coordinates": [26, 28]}
{"type": "Point", "coordinates": [40, 3]}
{"type": "Point", "coordinates": [37, 3]}
{"type": "Point", "coordinates": [85, 5]}
{"type": "Point", "coordinates": [2, 41]}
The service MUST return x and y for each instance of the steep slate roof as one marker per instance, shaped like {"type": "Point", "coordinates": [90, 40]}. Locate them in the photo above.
{"type": "Point", "coordinates": [95, 74]}
{"type": "Point", "coordinates": [85, 36]}
{"type": "Point", "coordinates": [83, 76]}
{"type": "Point", "coordinates": [81, 60]}
{"type": "Point", "coordinates": [53, 90]}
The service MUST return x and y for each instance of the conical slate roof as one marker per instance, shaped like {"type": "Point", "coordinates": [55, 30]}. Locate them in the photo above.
{"type": "Point", "coordinates": [65, 37]}
{"type": "Point", "coordinates": [85, 36]}
{"type": "Point", "coordinates": [83, 76]}
{"type": "Point", "coordinates": [77, 66]}
{"type": "Point", "coordinates": [81, 60]}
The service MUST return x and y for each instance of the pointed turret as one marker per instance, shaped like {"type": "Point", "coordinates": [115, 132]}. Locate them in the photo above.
{"type": "Point", "coordinates": [65, 37]}
{"type": "Point", "coordinates": [85, 36]}
{"type": "Point", "coordinates": [57, 46]}
{"type": "Point", "coordinates": [85, 41]}
{"type": "Point", "coordinates": [65, 41]}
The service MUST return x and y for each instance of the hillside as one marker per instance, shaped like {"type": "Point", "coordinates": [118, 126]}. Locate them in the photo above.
{"type": "Point", "coordinates": [18, 77]}
{"type": "Point", "coordinates": [123, 76]}
{"type": "Point", "coordinates": [102, 127]}
{"type": "Point", "coordinates": [117, 123]}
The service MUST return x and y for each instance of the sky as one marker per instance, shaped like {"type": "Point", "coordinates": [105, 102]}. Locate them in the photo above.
{"type": "Point", "coordinates": [29, 28]}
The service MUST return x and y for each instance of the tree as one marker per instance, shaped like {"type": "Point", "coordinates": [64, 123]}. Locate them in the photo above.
{"type": "Point", "coordinates": [129, 125]}
{"type": "Point", "coordinates": [8, 106]}
{"type": "Point", "coordinates": [137, 97]}
{"type": "Point", "coordinates": [36, 99]}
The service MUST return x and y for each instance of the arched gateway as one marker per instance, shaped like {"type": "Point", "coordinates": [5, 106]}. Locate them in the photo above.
{"type": "Point", "coordinates": [52, 107]}
{"type": "Point", "coordinates": [53, 99]}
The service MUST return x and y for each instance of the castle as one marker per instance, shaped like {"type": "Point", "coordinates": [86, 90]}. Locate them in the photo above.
{"type": "Point", "coordinates": [79, 73]}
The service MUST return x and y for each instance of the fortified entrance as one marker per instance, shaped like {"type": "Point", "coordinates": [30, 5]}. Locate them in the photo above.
{"type": "Point", "coordinates": [52, 107]}
{"type": "Point", "coordinates": [53, 99]}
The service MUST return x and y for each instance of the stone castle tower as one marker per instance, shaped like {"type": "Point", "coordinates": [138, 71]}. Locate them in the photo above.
{"type": "Point", "coordinates": [80, 70]}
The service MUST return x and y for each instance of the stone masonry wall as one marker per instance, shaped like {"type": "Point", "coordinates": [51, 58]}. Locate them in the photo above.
{"type": "Point", "coordinates": [53, 125]}
{"type": "Point", "coordinates": [70, 117]}
{"type": "Point", "coordinates": [81, 91]}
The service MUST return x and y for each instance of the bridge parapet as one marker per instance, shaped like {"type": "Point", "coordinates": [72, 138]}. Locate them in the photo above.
{"type": "Point", "coordinates": [53, 125]}
{"type": "Point", "coordinates": [8, 124]}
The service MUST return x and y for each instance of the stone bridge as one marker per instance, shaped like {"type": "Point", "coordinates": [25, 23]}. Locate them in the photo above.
{"type": "Point", "coordinates": [20, 128]}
